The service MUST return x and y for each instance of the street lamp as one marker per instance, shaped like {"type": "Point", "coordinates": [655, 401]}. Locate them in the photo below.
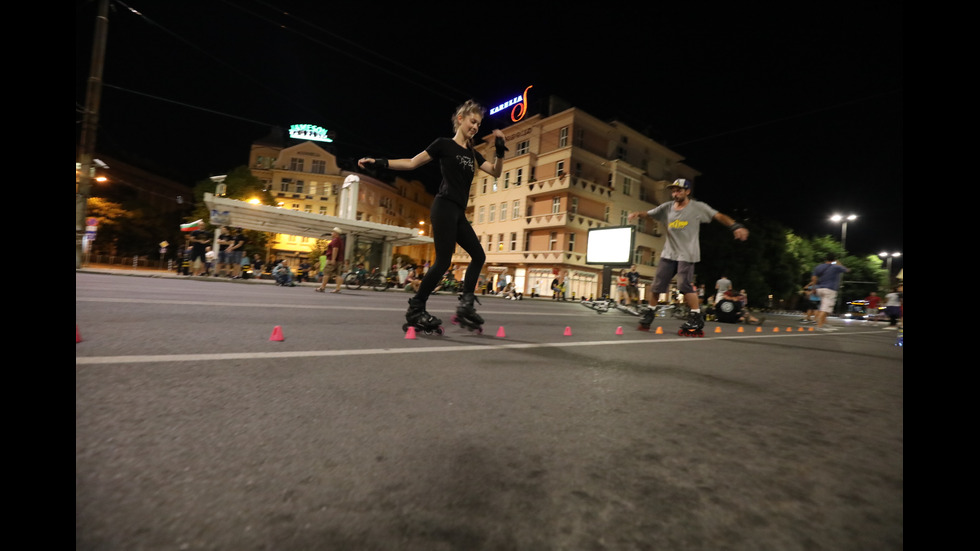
{"type": "Point", "coordinates": [843, 232]}
{"type": "Point", "coordinates": [888, 257]}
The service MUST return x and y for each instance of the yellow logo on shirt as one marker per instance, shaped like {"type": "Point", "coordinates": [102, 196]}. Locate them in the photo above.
{"type": "Point", "coordinates": [678, 224]}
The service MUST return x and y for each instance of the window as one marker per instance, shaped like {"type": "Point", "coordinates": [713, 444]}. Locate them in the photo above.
{"type": "Point", "coordinates": [500, 242]}
{"type": "Point", "coordinates": [284, 185]}
{"type": "Point", "coordinates": [627, 185]}
{"type": "Point", "coordinates": [553, 241]}
{"type": "Point", "coordinates": [556, 205]}
{"type": "Point", "coordinates": [559, 169]}
{"type": "Point", "coordinates": [573, 207]}
{"type": "Point", "coordinates": [479, 217]}
{"type": "Point", "coordinates": [571, 242]}
{"type": "Point", "coordinates": [522, 147]}
{"type": "Point", "coordinates": [605, 216]}
{"type": "Point", "coordinates": [318, 167]}
{"type": "Point", "coordinates": [520, 176]}
{"type": "Point", "coordinates": [623, 217]}
{"type": "Point", "coordinates": [484, 191]}
{"type": "Point", "coordinates": [299, 186]}
{"type": "Point", "coordinates": [492, 214]}
{"type": "Point", "coordinates": [323, 210]}
{"type": "Point", "coordinates": [513, 241]}
{"type": "Point", "coordinates": [493, 187]}
{"type": "Point", "coordinates": [563, 137]}
{"type": "Point", "coordinates": [506, 179]}
{"type": "Point", "coordinates": [503, 211]}
{"type": "Point", "coordinates": [296, 165]}
{"type": "Point", "coordinates": [516, 213]}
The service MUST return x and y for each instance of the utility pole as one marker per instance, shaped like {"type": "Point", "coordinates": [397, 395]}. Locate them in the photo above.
{"type": "Point", "coordinates": [90, 123]}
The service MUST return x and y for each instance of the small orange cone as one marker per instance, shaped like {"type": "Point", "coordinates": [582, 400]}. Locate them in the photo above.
{"type": "Point", "coordinates": [500, 332]}
{"type": "Point", "coordinates": [619, 330]}
{"type": "Point", "coordinates": [789, 329]}
{"type": "Point", "coordinates": [758, 330]}
{"type": "Point", "coordinates": [410, 334]}
{"type": "Point", "coordinates": [718, 329]}
{"type": "Point", "coordinates": [660, 330]}
{"type": "Point", "coordinates": [800, 329]}
{"type": "Point", "coordinates": [78, 336]}
{"type": "Point", "coordinates": [811, 329]}
{"type": "Point", "coordinates": [775, 330]}
{"type": "Point", "coordinates": [568, 331]}
{"type": "Point", "coordinates": [277, 334]}
{"type": "Point", "coordinates": [740, 329]}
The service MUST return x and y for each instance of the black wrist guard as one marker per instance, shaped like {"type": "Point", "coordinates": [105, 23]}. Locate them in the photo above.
{"type": "Point", "coordinates": [735, 226]}
{"type": "Point", "coordinates": [499, 145]}
{"type": "Point", "coordinates": [381, 163]}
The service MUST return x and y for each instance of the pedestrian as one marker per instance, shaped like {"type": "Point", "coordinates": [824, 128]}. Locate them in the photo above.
{"type": "Point", "coordinates": [723, 284]}
{"type": "Point", "coordinates": [812, 303]}
{"type": "Point", "coordinates": [826, 280]}
{"type": "Point", "coordinates": [235, 252]}
{"type": "Point", "coordinates": [257, 266]}
{"type": "Point", "coordinates": [894, 304]}
{"type": "Point", "coordinates": [458, 162]}
{"type": "Point", "coordinates": [334, 257]}
{"type": "Point", "coordinates": [633, 285]}
{"type": "Point", "coordinates": [199, 249]}
{"type": "Point", "coordinates": [412, 281]}
{"type": "Point", "coordinates": [622, 294]}
{"type": "Point", "coordinates": [282, 274]}
{"type": "Point", "coordinates": [683, 217]}
{"type": "Point", "coordinates": [872, 303]}
{"type": "Point", "coordinates": [224, 241]}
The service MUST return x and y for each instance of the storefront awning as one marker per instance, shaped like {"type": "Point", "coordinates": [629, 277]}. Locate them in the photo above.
{"type": "Point", "coordinates": [239, 214]}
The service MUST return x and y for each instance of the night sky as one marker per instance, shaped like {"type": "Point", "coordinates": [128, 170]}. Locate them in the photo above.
{"type": "Point", "coordinates": [791, 114]}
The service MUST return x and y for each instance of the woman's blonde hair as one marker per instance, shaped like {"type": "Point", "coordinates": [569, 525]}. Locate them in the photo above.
{"type": "Point", "coordinates": [469, 108]}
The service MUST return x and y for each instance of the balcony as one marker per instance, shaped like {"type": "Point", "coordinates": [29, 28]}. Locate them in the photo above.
{"type": "Point", "coordinates": [568, 183]}
{"type": "Point", "coordinates": [563, 219]}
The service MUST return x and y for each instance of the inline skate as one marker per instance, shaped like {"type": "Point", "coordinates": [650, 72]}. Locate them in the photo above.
{"type": "Point", "coordinates": [649, 313]}
{"type": "Point", "coordinates": [693, 327]}
{"type": "Point", "coordinates": [417, 317]}
{"type": "Point", "coordinates": [466, 316]}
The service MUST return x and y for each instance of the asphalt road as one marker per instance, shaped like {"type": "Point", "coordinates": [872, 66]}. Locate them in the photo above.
{"type": "Point", "coordinates": [194, 430]}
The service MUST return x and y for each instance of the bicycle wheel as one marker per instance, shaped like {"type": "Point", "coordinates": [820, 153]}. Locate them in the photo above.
{"type": "Point", "coordinates": [353, 281]}
{"type": "Point", "coordinates": [378, 283]}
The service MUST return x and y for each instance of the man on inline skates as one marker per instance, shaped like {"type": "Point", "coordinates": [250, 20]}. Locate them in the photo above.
{"type": "Point", "coordinates": [683, 218]}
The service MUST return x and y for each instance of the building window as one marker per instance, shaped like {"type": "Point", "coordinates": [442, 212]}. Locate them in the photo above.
{"type": "Point", "coordinates": [571, 242]}
{"type": "Point", "coordinates": [623, 217]}
{"type": "Point", "coordinates": [500, 242]}
{"type": "Point", "coordinates": [573, 207]}
{"type": "Point", "coordinates": [323, 210]}
{"type": "Point", "coordinates": [506, 179]}
{"type": "Point", "coordinates": [492, 213]}
{"type": "Point", "coordinates": [318, 166]}
{"type": "Point", "coordinates": [563, 137]}
{"type": "Point", "coordinates": [284, 185]}
{"type": "Point", "coordinates": [513, 241]}
{"type": "Point", "coordinates": [299, 186]}
{"type": "Point", "coordinates": [296, 165]}
{"type": "Point", "coordinates": [503, 211]}
{"type": "Point", "coordinates": [559, 169]}
{"type": "Point", "coordinates": [493, 187]}
{"type": "Point", "coordinates": [553, 241]}
{"type": "Point", "coordinates": [484, 192]}
{"type": "Point", "coordinates": [627, 185]}
{"type": "Point", "coordinates": [520, 176]}
{"type": "Point", "coordinates": [522, 147]}
{"type": "Point", "coordinates": [605, 216]}
{"type": "Point", "coordinates": [556, 205]}
{"type": "Point", "coordinates": [516, 213]}
{"type": "Point", "coordinates": [479, 217]}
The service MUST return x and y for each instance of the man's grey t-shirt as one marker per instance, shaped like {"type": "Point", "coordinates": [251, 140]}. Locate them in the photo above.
{"type": "Point", "coordinates": [683, 228]}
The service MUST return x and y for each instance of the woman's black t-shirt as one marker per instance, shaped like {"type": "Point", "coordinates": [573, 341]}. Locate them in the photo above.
{"type": "Point", "coordinates": [458, 166]}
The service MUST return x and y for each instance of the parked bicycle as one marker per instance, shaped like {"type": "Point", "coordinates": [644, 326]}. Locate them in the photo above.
{"type": "Point", "coordinates": [383, 283]}
{"type": "Point", "coordinates": [356, 278]}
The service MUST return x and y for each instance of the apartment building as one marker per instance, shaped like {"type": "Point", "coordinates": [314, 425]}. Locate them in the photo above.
{"type": "Point", "coordinates": [305, 177]}
{"type": "Point", "coordinates": [564, 173]}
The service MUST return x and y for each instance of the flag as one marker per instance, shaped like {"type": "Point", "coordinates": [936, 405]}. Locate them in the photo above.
{"type": "Point", "coordinates": [195, 225]}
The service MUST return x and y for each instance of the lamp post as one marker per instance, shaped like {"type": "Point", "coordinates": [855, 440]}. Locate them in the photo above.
{"type": "Point", "coordinates": [843, 231]}
{"type": "Point", "coordinates": [888, 262]}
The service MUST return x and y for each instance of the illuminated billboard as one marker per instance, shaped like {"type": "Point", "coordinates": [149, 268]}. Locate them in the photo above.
{"type": "Point", "coordinates": [310, 132]}
{"type": "Point", "coordinates": [611, 246]}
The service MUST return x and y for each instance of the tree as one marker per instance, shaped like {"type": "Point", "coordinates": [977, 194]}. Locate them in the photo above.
{"type": "Point", "coordinates": [242, 185]}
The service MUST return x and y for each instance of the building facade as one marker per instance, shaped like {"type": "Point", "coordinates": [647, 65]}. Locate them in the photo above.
{"type": "Point", "coordinates": [305, 177]}
{"type": "Point", "coordinates": [565, 173]}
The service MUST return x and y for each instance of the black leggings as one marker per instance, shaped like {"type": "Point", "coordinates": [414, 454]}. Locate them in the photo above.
{"type": "Point", "coordinates": [449, 227]}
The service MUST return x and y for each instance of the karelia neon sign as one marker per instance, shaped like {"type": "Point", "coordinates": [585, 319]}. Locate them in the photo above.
{"type": "Point", "coordinates": [519, 103]}
{"type": "Point", "coordinates": [309, 132]}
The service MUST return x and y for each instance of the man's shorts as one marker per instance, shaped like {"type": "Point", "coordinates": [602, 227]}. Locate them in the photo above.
{"type": "Point", "coordinates": [235, 257]}
{"type": "Point", "coordinates": [332, 269]}
{"type": "Point", "coordinates": [667, 269]}
{"type": "Point", "coordinates": [222, 257]}
{"type": "Point", "coordinates": [827, 299]}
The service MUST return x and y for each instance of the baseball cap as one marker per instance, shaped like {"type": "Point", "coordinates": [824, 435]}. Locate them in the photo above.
{"type": "Point", "coordinates": [337, 230]}
{"type": "Point", "coordinates": [681, 183]}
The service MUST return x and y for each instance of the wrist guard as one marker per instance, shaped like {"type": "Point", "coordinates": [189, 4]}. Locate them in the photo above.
{"type": "Point", "coordinates": [381, 163]}
{"type": "Point", "coordinates": [735, 226]}
{"type": "Point", "coordinates": [499, 145]}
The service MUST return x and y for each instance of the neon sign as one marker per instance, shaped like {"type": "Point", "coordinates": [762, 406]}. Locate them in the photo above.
{"type": "Point", "coordinates": [519, 102]}
{"type": "Point", "coordinates": [309, 132]}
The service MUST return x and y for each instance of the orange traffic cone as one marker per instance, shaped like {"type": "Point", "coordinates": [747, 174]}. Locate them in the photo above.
{"type": "Point", "coordinates": [500, 332]}
{"type": "Point", "coordinates": [789, 329]}
{"type": "Point", "coordinates": [775, 330]}
{"type": "Point", "coordinates": [619, 330]}
{"type": "Point", "coordinates": [660, 330]}
{"type": "Point", "coordinates": [277, 334]}
{"type": "Point", "coordinates": [410, 334]}
{"type": "Point", "coordinates": [568, 331]}
{"type": "Point", "coordinates": [78, 336]}
{"type": "Point", "coordinates": [718, 329]}
{"type": "Point", "coordinates": [800, 329]}
{"type": "Point", "coordinates": [740, 329]}
{"type": "Point", "coordinates": [758, 330]}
